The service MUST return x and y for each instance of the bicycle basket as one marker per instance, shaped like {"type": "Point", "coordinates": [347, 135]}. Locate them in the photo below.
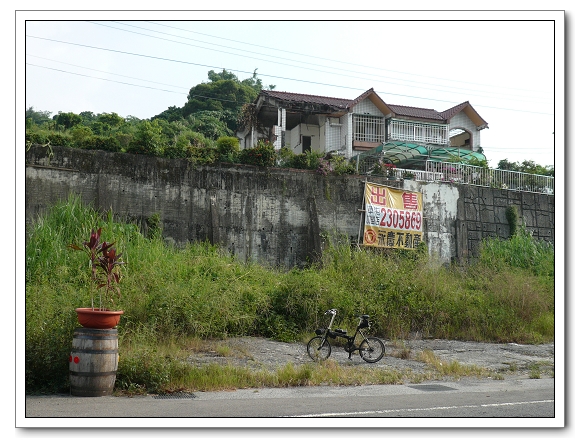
{"type": "Point", "coordinates": [320, 331]}
{"type": "Point", "coordinates": [365, 323]}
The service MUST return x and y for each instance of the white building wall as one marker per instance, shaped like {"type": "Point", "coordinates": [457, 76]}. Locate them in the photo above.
{"type": "Point", "coordinates": [461, 120]}
{"type": "Point", "coordinates": [346, 135]}
{"type": "Point", "coordinates": [313, 132]}
{"type": "Point", "coordinates": [367, 107]}
{"type": "Point", "coordinates": [332, 130]}
{"type": "Point", "coordinates": [294, 140]}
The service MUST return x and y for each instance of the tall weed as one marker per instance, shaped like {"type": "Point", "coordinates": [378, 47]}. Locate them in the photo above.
{"type": "Point", "coordinates": [173, 294]}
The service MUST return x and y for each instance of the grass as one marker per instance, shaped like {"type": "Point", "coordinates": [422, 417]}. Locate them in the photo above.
{"type": "Point", "coordinates": [176, 299]}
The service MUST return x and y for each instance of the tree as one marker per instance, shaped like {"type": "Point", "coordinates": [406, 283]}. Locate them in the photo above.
{"type": "Point", "coordinates": [112, 119]}
{"type": "Point", "coordinates": [172, 113]}
{"type": "Point", "coordinates": [148, 139]}
{"type": "Point", "coordinates": [38, 118]}
{"type": "Point", "coordinates": [67, 120]}
{"type": "Point", "coordinates": [527, 166]}
{"type": "Point", "coordinates": [224, 92]}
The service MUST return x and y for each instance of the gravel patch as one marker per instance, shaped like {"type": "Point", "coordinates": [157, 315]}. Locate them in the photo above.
{"type": "Point", "coordinates": [506, 359]}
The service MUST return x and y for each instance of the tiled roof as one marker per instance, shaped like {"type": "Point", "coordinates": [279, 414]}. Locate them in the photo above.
{"type": "Point", "coordinates": [361, 97]}
{"type": "Point", "coordinates": [454, 110]}
{"type": "Point", "coordinates": [344, 104]}
{"type": "Point", "coordinates": [416, 112]}
{"type": "Point", "coordinates": [341, 103]}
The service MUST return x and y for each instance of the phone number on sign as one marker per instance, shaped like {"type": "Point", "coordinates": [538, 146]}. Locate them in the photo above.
{"type": "Point", "coordinates": [393, 218]}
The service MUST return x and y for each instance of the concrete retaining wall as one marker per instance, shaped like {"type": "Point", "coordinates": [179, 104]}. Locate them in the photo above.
{"type": "Point", "coordinates": [278, 217]}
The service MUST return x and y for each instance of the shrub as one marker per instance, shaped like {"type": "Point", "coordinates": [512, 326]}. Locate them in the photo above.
{"type": "Point", "coordinates": [103, 143]}
{"type": "Point", "coordinates": [263, 154]}
{"type": "Point", "coordinates": [228, 148]}
{"type": "Point", "coordinates": [37, 138]}
{"type": "Point", "coordinates": [148, 139]}
{"type": "Point", "coordinates": [80, 133]}
{"type": "Point", "coordinates": [343, 166]}
{"type": "Point", "coordinates": [58, 139]}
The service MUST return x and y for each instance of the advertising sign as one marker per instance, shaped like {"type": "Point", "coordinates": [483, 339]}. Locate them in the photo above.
{"type": "Point", "coordinates": [393, 218]}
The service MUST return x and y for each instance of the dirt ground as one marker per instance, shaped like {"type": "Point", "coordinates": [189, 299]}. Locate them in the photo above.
{"type": "Point", "coordinates": [505, 359]}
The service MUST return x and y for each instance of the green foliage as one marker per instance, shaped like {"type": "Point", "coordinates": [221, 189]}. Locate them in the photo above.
{"type": "Point", "coordinates": [522, 250]}
{"type": "Point", "coordinates": [309, 160]}
{"type": "Point", "coordinates": [512, 218]}
{"type": "Point", "coordinates": [343, 166]}
{"type": "Point", "coordinates": [148, 139]}
{"type": "Point", "coordinates": [212, 124]}
{"type": "Point", "coordinates": [199, 291]}
{"type": "Point", "coordinates": [53, 138]}
{"type": "Point", "coordinates": [97, 142]}
{"type": "Point", "coordinates": [79, 134]}
{"type": "Point", "coordinates": [143, 370]}
{"type": "Point", "coordinates": [527, 166]}
{"type": "Point", "coordinates": [37, 118]}
{"type": "Point", "coordinates": [263, 154]}
{"type": "Point", "coordinates": [113, 120]}
{"type": "Point", "coordinates": [223, 92]}
{"type": "Point", "coordinates": [228, 148]}
{"type": "Point", "coordinates": [35, 137]}
{"type": "Point", "coordinates": [67, 120]}
{"type": "Point", "coordinates": [190, 144]}
{"type": "Point", "coordinates": [154, 227]}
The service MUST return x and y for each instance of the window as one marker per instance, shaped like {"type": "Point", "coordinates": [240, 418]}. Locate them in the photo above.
{"type": "Point", "coordinates": [408, 131]}
{"type": "Point", "coordinates": [368, 128]}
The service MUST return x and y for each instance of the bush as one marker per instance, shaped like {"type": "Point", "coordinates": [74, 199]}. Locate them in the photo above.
{"type": "Point", "coordinates": [37, 138]}
{"type": "Point", "coordinates": [263, 154]}
{"type": "Point", "coordinates": [59, 139]}
{"type": "Point", "coordinates": [190, 144]}
{"type": "Point", "coordinates": [103, 143]}
{"type": "Point", "coordinates": [148, 139]}
{"type": "Point", "coordinates": [228, 148]}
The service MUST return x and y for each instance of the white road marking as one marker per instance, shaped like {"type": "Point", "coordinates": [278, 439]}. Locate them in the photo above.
{"type": "Point", "coordinates": [437, 408]}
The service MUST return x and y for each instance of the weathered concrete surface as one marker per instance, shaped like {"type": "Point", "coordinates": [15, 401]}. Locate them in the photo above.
{"type": "Point", "coordinates": [279, 217]}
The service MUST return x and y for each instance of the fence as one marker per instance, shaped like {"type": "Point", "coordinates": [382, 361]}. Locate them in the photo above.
{"type": "Point", "coordinates": [469, 174]}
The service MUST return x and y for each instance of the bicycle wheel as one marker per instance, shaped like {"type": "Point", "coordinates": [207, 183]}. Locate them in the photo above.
{"type": "Point", "coordinates": [318, 348]}
{"type": "Point", "coordinates": [372, 349]}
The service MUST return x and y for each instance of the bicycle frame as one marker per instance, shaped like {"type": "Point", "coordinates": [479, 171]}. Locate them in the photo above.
{"type": "Point", "coordinates": [350, 347]}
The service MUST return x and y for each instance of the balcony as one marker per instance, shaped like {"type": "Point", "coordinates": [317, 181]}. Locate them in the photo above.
{"type": "Point", "coordinates": [426, 133]}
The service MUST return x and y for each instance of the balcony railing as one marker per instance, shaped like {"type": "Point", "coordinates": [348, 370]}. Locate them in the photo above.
{"type": "Point", "coordinates": [410, 131]}
{"type": "Point", "coordinates": [489, 177]}
{"type": "Point", "coordinates": [458, 173]}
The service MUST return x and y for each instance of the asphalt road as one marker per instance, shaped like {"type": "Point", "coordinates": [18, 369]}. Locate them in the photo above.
{"type": "Point", "coordinates": [521, 402]}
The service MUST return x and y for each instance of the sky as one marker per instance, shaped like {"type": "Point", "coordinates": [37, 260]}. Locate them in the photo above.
{"type": "Point", "coordinates": [139, 64]}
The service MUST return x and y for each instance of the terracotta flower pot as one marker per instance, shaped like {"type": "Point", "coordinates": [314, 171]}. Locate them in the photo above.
{"type": "Point", "coordinates": [99, 319]}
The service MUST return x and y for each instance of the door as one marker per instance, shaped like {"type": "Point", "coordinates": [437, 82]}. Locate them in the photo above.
{"type": "Point", "coordinates": [306, 143]}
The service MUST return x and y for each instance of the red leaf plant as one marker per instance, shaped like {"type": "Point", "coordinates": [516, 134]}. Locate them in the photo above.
{"type": "Point", "coordinates": [104, 263]}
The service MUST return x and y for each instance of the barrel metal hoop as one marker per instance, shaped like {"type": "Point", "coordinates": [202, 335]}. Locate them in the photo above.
{"type": "Point", "coordinates": [95, 374]}
{"type": "Point", "coordinates": [88, 350]}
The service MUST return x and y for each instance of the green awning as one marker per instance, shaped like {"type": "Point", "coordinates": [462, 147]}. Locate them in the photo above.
{"type": "Point", "coordinates": [406, 155]}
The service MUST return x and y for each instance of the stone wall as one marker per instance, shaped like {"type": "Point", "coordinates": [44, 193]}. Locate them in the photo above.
{"type": "Point", "coordinates": [279, 217]}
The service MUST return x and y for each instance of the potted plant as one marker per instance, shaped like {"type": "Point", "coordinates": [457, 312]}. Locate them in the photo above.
{"type": "Point", "coordinates": [390, 171]}
{"type": "Point", "coordinates": [105, 263]}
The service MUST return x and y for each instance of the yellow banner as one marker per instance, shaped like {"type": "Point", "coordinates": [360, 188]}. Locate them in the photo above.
{"type": "Point", "coordinates": [393, 218]}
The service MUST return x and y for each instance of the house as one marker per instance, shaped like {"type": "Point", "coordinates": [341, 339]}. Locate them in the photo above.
{"type": "Point", "coordinates": [359, 126]}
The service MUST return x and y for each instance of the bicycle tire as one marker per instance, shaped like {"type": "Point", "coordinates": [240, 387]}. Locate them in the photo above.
{"type": "Point", "coordinates": [318, 348]}
{"type": "Point", "coordinates": [372, 350]}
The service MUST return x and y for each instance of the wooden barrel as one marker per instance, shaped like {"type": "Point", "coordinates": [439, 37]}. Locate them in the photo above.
{"type": "Point", "coordinates": [93, 362]}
